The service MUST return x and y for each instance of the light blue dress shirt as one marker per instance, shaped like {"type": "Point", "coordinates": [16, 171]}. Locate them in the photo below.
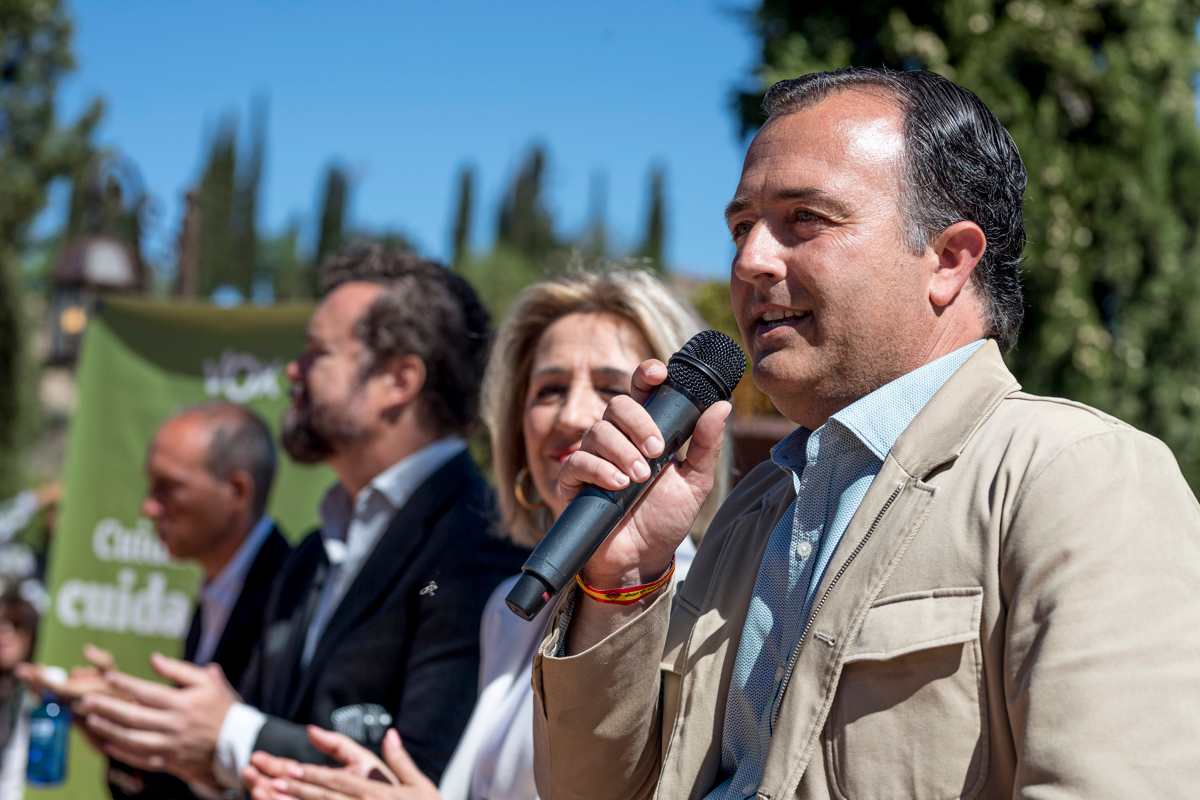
{"type": "Point", "coordinates": [832, 467]}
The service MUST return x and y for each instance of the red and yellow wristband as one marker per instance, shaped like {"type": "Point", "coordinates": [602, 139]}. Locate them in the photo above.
{"type": "Point", "coordinates": [626, 595]}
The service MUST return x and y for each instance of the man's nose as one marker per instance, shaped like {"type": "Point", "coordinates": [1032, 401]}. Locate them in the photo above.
{"type": "Point", "coordinates": [760, 256]}
{"type": "Point", "coordinates": [151, 508]}
{"type": "Point", "coordinates": [293, 371]}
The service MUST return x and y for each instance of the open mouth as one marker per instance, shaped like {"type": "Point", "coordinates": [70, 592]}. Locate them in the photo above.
{"type": "Point", "coordinates": [771, 320]}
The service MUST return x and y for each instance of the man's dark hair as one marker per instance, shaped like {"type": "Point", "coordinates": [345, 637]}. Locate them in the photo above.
{"type": "Point", "coordinates": [240, 440]}
{"type": "Point", "coordinates": [427, 311]}
{"type": "Point", "coordinates": [959, 164]}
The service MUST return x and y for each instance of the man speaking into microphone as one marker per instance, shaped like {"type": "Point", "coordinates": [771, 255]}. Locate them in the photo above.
{"type": "Point", "coordinates": [940, 586]}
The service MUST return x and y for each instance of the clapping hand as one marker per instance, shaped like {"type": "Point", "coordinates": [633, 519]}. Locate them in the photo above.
{"type": "Point", "coordinates": [362, 776]}
{"type": "Point", "coordinates": [162, 728]}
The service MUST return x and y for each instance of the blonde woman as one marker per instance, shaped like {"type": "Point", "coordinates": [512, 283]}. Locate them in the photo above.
{"type": "Point", "coordinates": [568, 347]}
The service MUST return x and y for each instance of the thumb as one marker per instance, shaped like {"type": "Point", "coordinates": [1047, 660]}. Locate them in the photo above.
{"type": "Point", "coordinates": [704, 448]}
{"type": "Point", "coordinates": [399, 762]}
{"type": "Point", "coordinates": [339, 747]}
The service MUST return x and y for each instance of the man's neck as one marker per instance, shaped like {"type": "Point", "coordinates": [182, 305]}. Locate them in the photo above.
{"type": "Point", "coordinates": [215, 562]}
{"type": "Point", "coordinates": [357, 466]}
{"type": "Point", "coordinates": [816, 410]}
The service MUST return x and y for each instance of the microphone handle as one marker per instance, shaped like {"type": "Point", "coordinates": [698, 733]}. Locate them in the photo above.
{"type": "Point", "coordinates": [595, 513]}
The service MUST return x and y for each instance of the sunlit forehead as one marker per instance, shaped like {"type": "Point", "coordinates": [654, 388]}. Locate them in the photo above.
{"type": "Point", "coordinates": [876, 140]}
{"type": "Point", "coordinates": [598, 343]}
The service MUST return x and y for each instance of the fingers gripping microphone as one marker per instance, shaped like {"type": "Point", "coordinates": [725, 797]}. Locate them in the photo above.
{"type": "Point", "coordinates": [706, 370]}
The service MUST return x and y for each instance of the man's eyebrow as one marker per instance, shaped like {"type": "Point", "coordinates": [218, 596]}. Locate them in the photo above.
{"type": "Point", "coordinates": [809, 194]}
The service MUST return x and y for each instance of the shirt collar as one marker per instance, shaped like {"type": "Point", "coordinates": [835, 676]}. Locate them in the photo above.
{"type": "Point", "coordinates": [395, 485]}
{"type": "Point", "coordinates": [233, 575]}
{"type": "Point", "coordinates": [877, 419]}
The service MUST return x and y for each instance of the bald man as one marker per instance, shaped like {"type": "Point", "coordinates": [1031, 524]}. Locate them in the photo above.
{"type": "Point", "coordinates": [209, 472]}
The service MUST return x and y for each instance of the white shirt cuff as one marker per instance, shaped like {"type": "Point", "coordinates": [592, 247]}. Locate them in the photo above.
{"type": "Point", "coordinates": [235, 743]}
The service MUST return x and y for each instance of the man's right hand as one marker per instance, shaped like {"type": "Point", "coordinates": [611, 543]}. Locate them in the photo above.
{"type": "Point", "coordinates": [614, 453]}
{"type": "Point", "coordinates": [80, 681]}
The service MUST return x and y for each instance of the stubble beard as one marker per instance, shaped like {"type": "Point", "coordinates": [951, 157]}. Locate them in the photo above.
{"type": "Point", "coordinates": [312, 432]}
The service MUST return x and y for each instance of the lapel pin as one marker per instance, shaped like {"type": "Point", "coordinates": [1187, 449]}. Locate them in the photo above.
{"type": "Point", "coordinates": [430, 589]}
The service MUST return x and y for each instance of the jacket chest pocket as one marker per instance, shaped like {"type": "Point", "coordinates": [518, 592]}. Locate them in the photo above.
{"type": "Point", "coordinates": [909, 718]}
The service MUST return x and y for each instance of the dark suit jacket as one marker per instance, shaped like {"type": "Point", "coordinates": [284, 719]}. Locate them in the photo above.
{"type": "Point", "coordinates": [234, 649]}
{"type": "Point", "coordinates": [402, 647]}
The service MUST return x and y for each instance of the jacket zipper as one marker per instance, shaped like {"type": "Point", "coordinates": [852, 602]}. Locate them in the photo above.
{"type": "Point", "coordinates": [787, 676]}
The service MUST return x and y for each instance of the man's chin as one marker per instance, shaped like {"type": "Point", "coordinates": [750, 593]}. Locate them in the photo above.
{"type": "Point", "coordinates": [304, 445]}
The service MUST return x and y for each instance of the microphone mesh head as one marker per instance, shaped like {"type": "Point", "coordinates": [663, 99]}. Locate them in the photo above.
{"type": "Point", "coordinates": [707, 368]}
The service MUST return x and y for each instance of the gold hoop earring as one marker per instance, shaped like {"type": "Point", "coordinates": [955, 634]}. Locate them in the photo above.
{"type": "Point", "coordinates": [519, 491]}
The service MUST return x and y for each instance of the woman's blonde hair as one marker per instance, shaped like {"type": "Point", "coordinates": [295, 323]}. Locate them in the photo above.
{"type": "Point", "coordinates": [662, 319]}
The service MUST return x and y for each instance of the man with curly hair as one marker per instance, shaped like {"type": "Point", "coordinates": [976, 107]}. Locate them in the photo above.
{"type": "Point", "coordinates": [374, 621]}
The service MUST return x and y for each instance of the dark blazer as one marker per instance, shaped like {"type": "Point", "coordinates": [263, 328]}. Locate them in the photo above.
{"type": "Point", "coordinates": [402, 647]}
{"type": "Point", "coordinates": [234, 649]}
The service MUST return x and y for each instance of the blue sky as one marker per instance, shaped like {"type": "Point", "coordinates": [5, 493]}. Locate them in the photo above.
{"type": "Point", "coordinates": [404, 93]}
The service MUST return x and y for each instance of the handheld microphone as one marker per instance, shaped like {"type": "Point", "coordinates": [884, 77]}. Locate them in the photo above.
{"type": "Point", "coordinates": [706, 370]}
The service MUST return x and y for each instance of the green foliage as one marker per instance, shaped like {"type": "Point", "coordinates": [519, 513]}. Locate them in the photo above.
{"type": "Point", "coordinates": [499, 276]}
{"type": "Point", "coordinates": [594, 244]}
{"type": "Point", "coordinates": [35, 149]}
{"type": "Point", "coordinates": [654, 238]}
{"type": "Point", "coordinates": [461, 233]}
{"type": "Point", "coordinates": [281, 260]}
{"type": "Point", "coordinates": [524, 224]}
{"type": "Point", "coordinates": [1099, 96]}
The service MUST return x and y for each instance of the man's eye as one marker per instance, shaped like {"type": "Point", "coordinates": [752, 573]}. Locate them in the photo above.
{"type": "Point", "coordinates": [804, 215]}
{"type": "Point", "coordinates": [740, 229]}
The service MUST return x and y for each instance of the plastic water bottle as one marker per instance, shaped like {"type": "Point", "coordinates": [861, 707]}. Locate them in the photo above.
{"type": "Point", "coordinates": [49, 727]}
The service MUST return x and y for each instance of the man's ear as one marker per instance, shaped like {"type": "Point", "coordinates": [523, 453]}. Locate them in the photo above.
{"type": "Point", "coordinates": [242, 484]}
{"type": "Point", "coordinates": [405, 378]}
{"type": "Point", "coordinates": [958, 249]}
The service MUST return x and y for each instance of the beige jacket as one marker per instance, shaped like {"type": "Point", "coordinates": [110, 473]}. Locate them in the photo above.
{"type": "Point", "coordinates": [1014, 611]}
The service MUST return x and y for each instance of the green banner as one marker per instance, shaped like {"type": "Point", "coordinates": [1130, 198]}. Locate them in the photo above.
{"type": "Point", "coordinates": [110, 579]}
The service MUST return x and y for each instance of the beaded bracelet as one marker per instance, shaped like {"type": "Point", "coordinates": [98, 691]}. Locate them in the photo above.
{"type": "Point", "coordinates": [629, 594]}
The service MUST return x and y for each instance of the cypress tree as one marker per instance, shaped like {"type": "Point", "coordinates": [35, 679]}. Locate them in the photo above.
{"type": "Point", "coordinates": [653, 246]}
{"type": "Point", "coordinates": [335, 191]}
{"type": "Point", "coordinates": [524, 224]}
{"type": "Point", "coordinates": [460, 235]}
{"type": "Point", "coordinates": [246, 202]}
{"type": "Point", "coordinates": [215, 197]}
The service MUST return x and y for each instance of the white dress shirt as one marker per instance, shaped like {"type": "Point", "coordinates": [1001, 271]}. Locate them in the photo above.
{"type": "Point", "coordinates": [220, 595]}
{"type": "Point", "coordinates": [350, 529]}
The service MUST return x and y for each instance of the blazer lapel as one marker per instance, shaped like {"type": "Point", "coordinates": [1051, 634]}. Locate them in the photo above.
{"type": "Point", "coordinates": [388, 562]}
{"type": "Point", "coordinates": [299, 591]}
{"type": "Point", "coordinates": [192, 643]}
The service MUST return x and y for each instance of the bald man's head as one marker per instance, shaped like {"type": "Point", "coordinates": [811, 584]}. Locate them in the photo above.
{"type": "Point", "coordinates": [209, 471]}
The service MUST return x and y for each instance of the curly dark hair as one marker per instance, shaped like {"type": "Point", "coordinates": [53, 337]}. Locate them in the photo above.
{"type": "Point", "coordinates": [960, 164]}
{"type": "Point", "coordinates": [427, 311]}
